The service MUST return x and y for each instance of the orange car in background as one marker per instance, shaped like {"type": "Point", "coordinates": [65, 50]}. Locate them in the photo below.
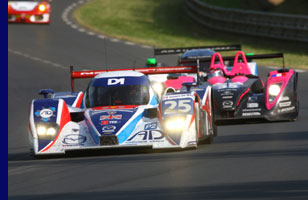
{"type": "Point", "coordinates": [29, 11]}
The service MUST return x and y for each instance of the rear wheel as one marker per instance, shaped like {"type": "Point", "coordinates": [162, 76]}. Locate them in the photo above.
{"type": "Point", "coordinates": [295, 115]}
{"type": "Point", "coordinates": [197, 121]}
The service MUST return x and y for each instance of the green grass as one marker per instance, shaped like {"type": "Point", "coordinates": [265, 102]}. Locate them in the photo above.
{"type": "Point", "coordinates": [162, 23]}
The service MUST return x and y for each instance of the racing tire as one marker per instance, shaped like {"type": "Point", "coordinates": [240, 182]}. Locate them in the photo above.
{"type": "Point", "coordinates": [197, 122]}
{"type": "Point", "coordinates": [214, 126]}
{"type": "Point", "coordinates": [295, 115]}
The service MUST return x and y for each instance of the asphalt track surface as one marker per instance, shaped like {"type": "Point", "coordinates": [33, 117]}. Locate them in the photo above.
{"type": "Point", "coordinates": [251, 161]}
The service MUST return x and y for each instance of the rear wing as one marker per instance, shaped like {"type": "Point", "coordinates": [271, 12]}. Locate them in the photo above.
{"type": "Point", "coordinates": [231, 58]}
{"type": "Point", "coordinates": [168, 51]}
{"type": "Point", "coordinates": [149, 70]}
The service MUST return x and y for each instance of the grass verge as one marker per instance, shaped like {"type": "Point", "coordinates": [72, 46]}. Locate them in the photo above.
{"type": "Point", "coordinates": [162, 23]}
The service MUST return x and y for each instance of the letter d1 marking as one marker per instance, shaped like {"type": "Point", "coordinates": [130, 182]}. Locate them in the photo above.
{"type": "Point", "coordinates": [115, 81]}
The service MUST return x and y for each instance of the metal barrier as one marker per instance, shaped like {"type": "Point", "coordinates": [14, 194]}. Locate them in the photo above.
{"type": "Point", "coordinates": [254, 23]}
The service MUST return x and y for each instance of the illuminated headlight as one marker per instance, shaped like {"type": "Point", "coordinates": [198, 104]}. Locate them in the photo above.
{"type": "Point", "coordinates": [175, 124]}
{"type": "Point", "coordinates": [158, 88]}
{"type": "Point", "coordinates": [51, 131]}
{"type": "Point", "coordinates": [42, 7]}
{"type": "Point", "coordinates": [47, 130]}
{"type": "Point", "coordinates": [41, 130]}
{"type": "Point", "coordinates": [274, 90]}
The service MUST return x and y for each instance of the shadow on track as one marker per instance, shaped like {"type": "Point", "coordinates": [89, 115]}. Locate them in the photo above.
{"type": "Point", "coordinates": [263, 137]}
{"type": "Point", "coordinates": [297, 189]}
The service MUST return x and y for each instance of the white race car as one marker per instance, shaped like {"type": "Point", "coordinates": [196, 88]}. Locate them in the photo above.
{"type": "Point", "coordinates": [120, 109]}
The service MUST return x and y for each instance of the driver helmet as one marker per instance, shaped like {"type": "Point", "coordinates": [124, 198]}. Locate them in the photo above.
{"type": "Point", "coordinates": [215, 72]}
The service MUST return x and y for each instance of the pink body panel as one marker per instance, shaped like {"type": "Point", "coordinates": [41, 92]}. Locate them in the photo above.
{"type": "Point", "coordinates": [239, 79]}
{"type": "Point", "coordinates": [241, 68]}
{"type": "Point", "coordinates": [177, 83]}
{"type": "Point", "coordinates": [217, 79]}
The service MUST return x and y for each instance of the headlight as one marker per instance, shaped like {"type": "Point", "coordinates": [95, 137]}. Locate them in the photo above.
{"type": "Point", "coordinates": [47, 130]}
{"type": "Point", "coordinates": [158, 88]}
{"type": "Point", "coordinates": [274, 90]}
{"type": "Point", "coordinates": [51, 131]}
{"type": "Point", "coordinates": [175, 124]}
{"type": "Point", "coordinates": [41, 130]}
{"type": "Point", "coordinates": [42, 7]}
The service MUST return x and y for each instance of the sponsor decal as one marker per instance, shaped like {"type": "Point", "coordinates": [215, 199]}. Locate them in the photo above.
{"type": "Point", "coordinates": [284, 98]}
{"type": "Point", "coordinates": [109, 128]}
{"type": "Point", "coordinates": [176, 96]}
{"type": "Point", "coordinates": [227, 97]}
{"type": "Point", "coordinates": [150, 126]}
{"type": "Point", "coordinates": [251, 114]}
{"type": "Point", "coordinates": [286, 109]}
{"type": "Point", "coordinates": [192, 143]}
{"type": "Point", "coordinates": [74, 140]}
{"type": "Point", "coordinates": [112, 112]}
{"type": "Point", "coordinates": [229, 85]}
{"type": "Point", "coordinates": [252, 98]}
{"type": "Point", "coordinates": [226, 93]}
{"type": "Point", "coordinates": [106, 117]}
{"type": "Point", "coordinates": [285, 104]}
{"type": "Point", "coordinates": [252, 105]}
{"type": "Point", "coordinates": [46, 113]}
{"type": "Point", "coordinates": [250, 110]}
{"type": "Point", "coordinates": [227, 104]}
{"type": "Point", "coordinates": [115, 81]}
{"type": "Point", "coordinates": [147, 135]}
{"type": "Point", "coordinates": [113, 122]}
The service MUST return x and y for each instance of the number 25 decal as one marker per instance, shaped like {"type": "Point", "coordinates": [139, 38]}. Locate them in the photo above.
{"type": "Point", "coordinates": [183, 105]}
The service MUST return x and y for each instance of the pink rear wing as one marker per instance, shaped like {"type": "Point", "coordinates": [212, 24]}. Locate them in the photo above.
{"type": "Point", "coordinates": [149, 70]}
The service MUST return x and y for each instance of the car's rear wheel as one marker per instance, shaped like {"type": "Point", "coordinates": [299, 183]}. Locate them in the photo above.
{"type": "Point", "coordinates": [197, 121]}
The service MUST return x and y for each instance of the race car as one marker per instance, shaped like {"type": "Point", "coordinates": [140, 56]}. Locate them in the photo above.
{"type": "Point", "coordinates": [173, 82]}
{"type": "Point", "coordinates": [119, 109]}
{"type": "Point", "coordinates": [29, 11]}
{"type": "Point", "coordinates": [240, 95]}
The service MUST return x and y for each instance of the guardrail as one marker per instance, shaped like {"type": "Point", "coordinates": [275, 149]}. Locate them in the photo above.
{"type": "Point", "coordinates": [254, 23]}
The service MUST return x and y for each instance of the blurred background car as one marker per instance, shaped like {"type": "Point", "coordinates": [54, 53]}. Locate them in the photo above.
{"type": "Point", "coordinates": [29, 11]}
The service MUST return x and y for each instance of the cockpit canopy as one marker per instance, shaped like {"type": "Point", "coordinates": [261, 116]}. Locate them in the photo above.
{"type": "Point", "coordinates": [113, 91]}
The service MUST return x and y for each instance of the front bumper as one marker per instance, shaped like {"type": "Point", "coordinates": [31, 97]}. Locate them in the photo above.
{"type": "Point", "coordinates": [29, 18]}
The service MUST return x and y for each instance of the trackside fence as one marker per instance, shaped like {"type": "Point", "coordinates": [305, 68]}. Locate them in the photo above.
{"type": "Point", "coordinates": [254, 23]}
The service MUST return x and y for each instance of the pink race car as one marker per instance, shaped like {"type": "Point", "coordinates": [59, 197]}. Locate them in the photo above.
{"type": "Point", "coordinates": [29, 11]}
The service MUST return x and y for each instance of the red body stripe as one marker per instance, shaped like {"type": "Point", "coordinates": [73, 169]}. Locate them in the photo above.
{"type": "Point", "coordinates": [149, 70]}
{"type": "Point", "coordinates": [239, 100]}
{"type": "Point", "coordinates": [79, 100]}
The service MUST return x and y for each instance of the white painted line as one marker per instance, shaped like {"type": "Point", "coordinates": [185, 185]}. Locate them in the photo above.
{"type": "Point", "coordinates": [147, 47]}
{"type": "Point", "coordinates": [90, 33]}
{"type": "Point", "coordinates": [130, 43]}
{"type": "Point", "coordinates": [101, 36]}
{"type": "Point", "coordinates": [65, 18]}
{"type": "Point", "coordinates": [114, 40]}
{"type": "Point", "coordinates": [74, 26]}
{"type": "Point", "coordinates": [81, 30]}
{"type": "Point", "coordinates": [36, 59]}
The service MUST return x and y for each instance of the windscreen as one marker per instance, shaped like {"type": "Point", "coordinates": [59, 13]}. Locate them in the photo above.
{"type": "Point", "coordinates": [113, 95]}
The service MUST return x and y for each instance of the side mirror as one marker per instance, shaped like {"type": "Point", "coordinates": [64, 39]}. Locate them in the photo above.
{"type": "Point", "coordinates": [45, 92]}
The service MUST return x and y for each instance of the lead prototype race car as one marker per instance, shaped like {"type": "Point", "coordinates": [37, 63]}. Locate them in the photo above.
{"type": "Point", "coordinates": [119, 109]}
{"type": "Point", "coordinates": [29, 11]}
